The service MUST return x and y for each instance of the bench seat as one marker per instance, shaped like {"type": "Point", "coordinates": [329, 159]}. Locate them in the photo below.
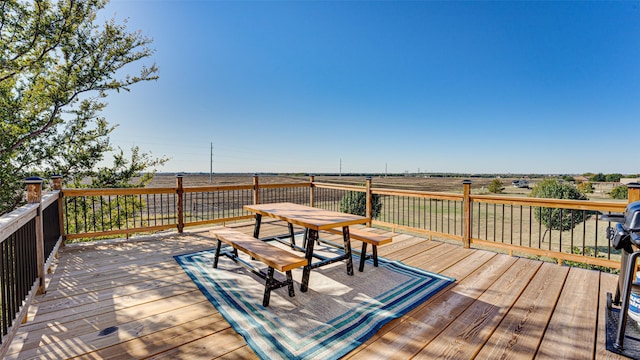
{"type": "Point", "coordinates": [366, 237]}
{"type": "Point", "coordinates": [272, 256]}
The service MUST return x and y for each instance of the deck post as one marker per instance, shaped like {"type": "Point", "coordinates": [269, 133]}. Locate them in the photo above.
{"type": "Point", "coordinates": [466, 203]}
{"type": "Point", "coordinates": [312, 191]}
{"type": "Point", "coordinates": [256, 190]}
{"type": "Point", "coordinates": [180, 192]}
{"type": "Point", "coordinates": [369, 200]}
{"type": "Point", "coordinates": [34, 196]}
{"type": "Point", "coordinates": [633, 192]}
{"type": "Point", "coordinates": [57, 186]}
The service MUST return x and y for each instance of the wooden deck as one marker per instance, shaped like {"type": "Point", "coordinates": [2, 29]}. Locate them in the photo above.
{"type": "Point", "coordinates": [130, 299]}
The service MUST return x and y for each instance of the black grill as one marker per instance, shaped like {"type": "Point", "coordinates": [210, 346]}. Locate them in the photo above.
{"type": "Point", "coordinates": [622, 336]}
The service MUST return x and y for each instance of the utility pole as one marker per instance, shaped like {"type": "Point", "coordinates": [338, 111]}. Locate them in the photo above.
{"type": "Point", "coordinates": [211, 165]}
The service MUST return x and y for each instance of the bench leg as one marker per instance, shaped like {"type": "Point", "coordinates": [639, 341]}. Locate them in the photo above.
{"type": "Point", "coordinates": [290, 284]}
{"type": "Point", "coordinates": [215, 259]}
{"type": "Point", "coordinates": [374, 250]}
{"type": "Point", "coordinates": [347, 249]}
{"type": "Point", "coordinates": [363, 256]}
{"type": "Point", "coordinates": [267, 287]}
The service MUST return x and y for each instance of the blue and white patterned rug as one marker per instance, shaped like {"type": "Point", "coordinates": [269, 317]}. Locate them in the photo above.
{"type": "Point", "coordinates": [337, 313]}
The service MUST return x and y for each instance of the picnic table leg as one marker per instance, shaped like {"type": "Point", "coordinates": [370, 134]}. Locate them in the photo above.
{"type": "Point", "coordinates": [374, 251]}
{"type": "Point", "coordinates": [256, 227]}
{"type": "Point", "coordinates": [305, 238]}
{"type": "Point", "coordinates": [312, 237]}
{"type": "Point", "coordinates": [215, 259]}
{"type": "Point", "coordinates": [347, 249]}
{"type": "Point", "coordinates": [293, 238]}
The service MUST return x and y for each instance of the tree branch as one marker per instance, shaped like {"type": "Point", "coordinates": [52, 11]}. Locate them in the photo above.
{"type": "Point", "coordinates": [49, 123]}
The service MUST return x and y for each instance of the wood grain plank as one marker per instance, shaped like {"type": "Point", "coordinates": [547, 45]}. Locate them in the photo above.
{"type": "Point", "coordinates": [61, 310]}
{"type": "Point", "coordinates": [433, 259]}
{"type": "Point", "coordinates": [61, 333]}
{"type": "Point", "coordinates": [405, 252]}
{"type": "Point", "coordinates": [386, 249]}
{"type": "Point", "coordinates": [205, 348]}
{"type": "Point", "coordinates": [466, 335]}
{"type": "Point", "coordinates": [423, 326]}
{"type": "Point", "coordinates": [114, 282]}
{"type": "Point", "coordinates": [167, 343]}
{"type": "Point", "coordinates": [459, 271]}
{"type": "Point", "coordinates": [121, 340]}
{"type": "Point", "coordinates": [242, 353]}
{"type": "Point", "coordinates": [522, 329]}
{"type": "Point", "coordinates": [572, 328]}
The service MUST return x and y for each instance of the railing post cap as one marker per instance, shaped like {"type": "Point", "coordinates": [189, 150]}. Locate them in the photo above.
{"type": "Point", "coordinates": [467, 181]}
{"type": "Point", "coordinates": [56, 176]}
{"type": "Point", "coordinates": [179, 175]}
{"type": "Point", "coordinates": [633, 185]}
{"type": "Point", "coordinates": [33, 180]}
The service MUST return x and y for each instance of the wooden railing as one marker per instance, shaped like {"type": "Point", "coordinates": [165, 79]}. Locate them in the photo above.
{"type": "Point", "coordinates": [32, 234]}
{"type": "Point", "coordinates": [533, 226]}
{"type": "Point", "coordinates": [513, 224]}
{"type": "Point", "coordinates": [29, 239]}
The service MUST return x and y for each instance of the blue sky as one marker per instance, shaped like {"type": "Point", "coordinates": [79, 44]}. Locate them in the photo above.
{"type": "Point", "coordinates": [375, 86]}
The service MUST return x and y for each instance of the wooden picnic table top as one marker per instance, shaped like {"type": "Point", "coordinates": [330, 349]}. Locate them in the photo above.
{"type": "Point", "coordinates": [307, 216]}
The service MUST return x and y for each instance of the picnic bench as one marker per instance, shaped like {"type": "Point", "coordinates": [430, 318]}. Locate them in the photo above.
{"type": "Point", "coordinates": [366, 237]}
{"type": "Point", "coordinates": [274, 257]}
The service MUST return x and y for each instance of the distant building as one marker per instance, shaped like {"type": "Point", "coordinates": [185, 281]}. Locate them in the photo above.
{"type": "Point", "coordinates": [580, 179]}
{"type": "Point", "coordinates": [604, 186]}
{"type": "Point", "coordinates": [625, 181]}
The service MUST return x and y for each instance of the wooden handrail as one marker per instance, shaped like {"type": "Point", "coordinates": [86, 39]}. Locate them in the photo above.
{"type": "Point", "coordinates": [193, 189]}
{"type": "Point", "coordinates": [553, 203]}
{"type": "Point", "coordinates": [339, 187]}
{"type": "Point", "coordinates": [118, 191]}
{"type": "Point", "coordinates": [419, 194]}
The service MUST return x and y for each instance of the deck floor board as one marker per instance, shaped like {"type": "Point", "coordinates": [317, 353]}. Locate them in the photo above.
{"type": "Point", "coordinates": [499, 306]}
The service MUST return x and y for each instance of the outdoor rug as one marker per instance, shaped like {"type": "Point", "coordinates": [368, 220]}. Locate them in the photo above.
{"type": "Point", "coordinates": [337, 313]}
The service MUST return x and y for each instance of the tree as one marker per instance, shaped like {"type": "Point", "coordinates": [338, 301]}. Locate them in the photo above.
{"type": "Point", "coordinates": [585, 187]}
{"type": "Point", "coordinates": [355, 202]}
{"type": "Point", "coordinates": [496, 186]}
{"type": "Point", "coordinates": [620, 192]}
{"type": "Point", "coordinates": [554, 218]}
{"type": "Point", "coordinates": [613, 177]}
{"type": "Point", "coordinates": [600, 177]}
{"type": "Point", "coordinates": [56, 67]}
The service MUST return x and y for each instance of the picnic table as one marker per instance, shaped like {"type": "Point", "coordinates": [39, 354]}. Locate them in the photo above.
{"type": "Point", "coordinates": [313, 220]}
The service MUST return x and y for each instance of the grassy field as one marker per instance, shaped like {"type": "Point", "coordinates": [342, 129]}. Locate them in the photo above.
{"type": "Point", "coordinates": [437, 184]}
